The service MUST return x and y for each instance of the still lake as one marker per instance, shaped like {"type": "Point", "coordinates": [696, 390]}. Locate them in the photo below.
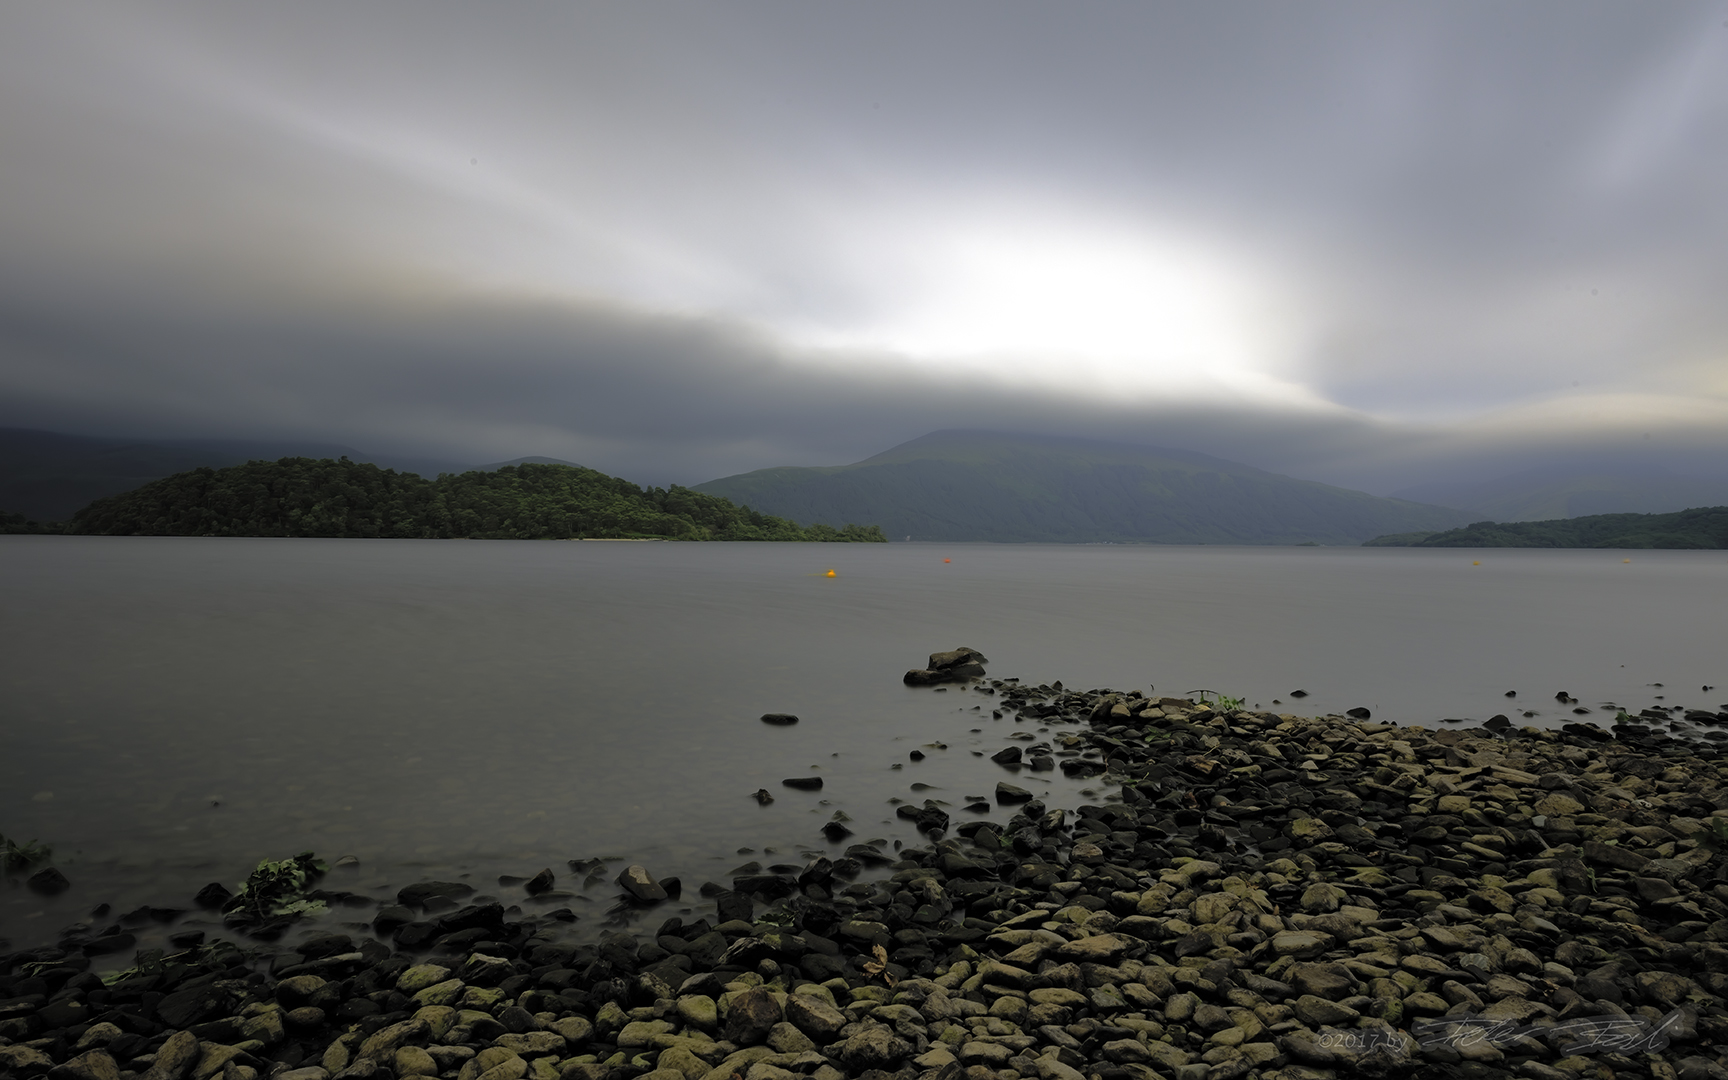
{"type": "Point", "coordinates": [172, 710]}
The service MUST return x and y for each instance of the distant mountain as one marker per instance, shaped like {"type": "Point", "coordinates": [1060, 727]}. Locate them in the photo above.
{"type": "Point", "coordinates": [1568, 492]}
{"type": "Point", "coordinates": [1705, 527]}
{"type": "Point", "coordinates": [49, 476]}
{"type": "Point", "coordinates": [309, 497]}
{"type": "Point", "coordinates": [978, 485]}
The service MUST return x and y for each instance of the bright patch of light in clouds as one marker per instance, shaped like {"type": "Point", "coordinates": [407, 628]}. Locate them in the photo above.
{"type": "Point", "coordinates": [1103, 309]}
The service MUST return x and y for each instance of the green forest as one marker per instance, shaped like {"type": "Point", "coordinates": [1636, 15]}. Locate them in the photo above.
{"type": "Point", "coordinates": [18, 523]}
{"type": "Point", "coordinates": [1705, 527]}
{"type": "Point", "coordinates": [342, 498]}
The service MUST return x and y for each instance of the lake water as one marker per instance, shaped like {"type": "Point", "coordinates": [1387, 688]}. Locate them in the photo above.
{"type": "Point", "coordinates": [172, 710]}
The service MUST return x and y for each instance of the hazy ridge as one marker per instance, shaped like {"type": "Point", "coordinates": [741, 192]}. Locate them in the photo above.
{"type": "Point", "coordinates": [972, 485]}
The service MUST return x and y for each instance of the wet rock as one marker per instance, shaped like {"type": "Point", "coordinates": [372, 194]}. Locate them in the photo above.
{"type": "Point", "coordinates": [640, 885]}
{"type": "Point", "coordinates": [419, 977]}
{"type": "Point", "coordinates": [531, 1044]}
{"type": "Point", "coordinates": [214, 1060]}
{"type": "Point", "coordinates": [483, 970]}
{"type": "Point", "coordinates": [183, 1008]}
{"type": "Point", "coordinates": [174, 1057]}
{"type": "Point", "coordinates": [992, 1056]}
{"type": "Point", "coordinates": [48, 882]}
{"type": "Point", "coordinates": [213, 895]}
{"type": "Point", "coordinates": [1558, 804]}
{"type": "Point", "coordinates": [1318, 1011]}
{"type": "Point", "coordinates": [422, 893]}
{"type": "Point", "coordinates": [958, 665]}
{"type": "Point", "coordinates": [91, 1065]}
{"type": "Point", "coordinates": [816, 1018]}
{"type": "Point", "coordinates": [1614, 855]}
{"type": "Point", "coordinates": [382, 1045]}
{"type": "Point", "coordinates": [1308, 830]}
{"type": "Point", "coordinates": [1309, 1048]}
{"type": "Point", "coordinates": [803, 783]}
{"type": "Point", "coordinates": [1301, 943]}
{"type": "Point", "coordinates": [875, 1047]}
{"type": "Point", "coordinates": [1322, 896]}
{"type": "Point", "coordinates": [779, 719]}
{"type": "Point", "coordinates": [24, 1061]}
{"type": "Point", "coordinates": [1331, 981]}
{"type": "Point", "coordinates": [1095, 949]}
{"type": "Point", "coordinates": [267, 1028]}
{"type": "Point", "coordinates": [494, 1063]}
{"type": "Point", "coordinates": [1666, 988]}
{"type": "Point", "coordinates": [751, 1016]}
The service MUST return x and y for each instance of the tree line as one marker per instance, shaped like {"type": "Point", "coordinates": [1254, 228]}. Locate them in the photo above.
{"type": "Point", "coordinates": [343, 498]}
{"type": "Point", "coordinates": [1704, 527]}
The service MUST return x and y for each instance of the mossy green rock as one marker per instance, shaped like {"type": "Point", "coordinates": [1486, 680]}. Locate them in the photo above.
{"type": "Point", "coordinates": [444, 993]}
{"type": "Point", "coordinates": [699, 1010]}
{"type": "Point", "coordinates": [420, 976]}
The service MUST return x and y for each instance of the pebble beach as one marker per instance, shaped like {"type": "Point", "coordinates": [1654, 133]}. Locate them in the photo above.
{"type": "Point", "coordinates": [1250, 894]}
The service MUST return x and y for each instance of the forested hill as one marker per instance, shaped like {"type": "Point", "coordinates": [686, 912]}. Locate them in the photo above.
{"type": "Point", "coordinates": [342, 498]}
{"type": "Point", "coordinates": [1011, 488]}
{"type": "Point", "coordinates": [1706, 527]}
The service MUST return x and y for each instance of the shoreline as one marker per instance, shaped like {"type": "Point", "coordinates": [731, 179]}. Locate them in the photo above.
{"type": "Point", "coordinates": [1260, 895]}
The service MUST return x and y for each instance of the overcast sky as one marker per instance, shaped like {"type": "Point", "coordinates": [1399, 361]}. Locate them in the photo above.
{"type": "Point", "coordinates": [1374, 244]}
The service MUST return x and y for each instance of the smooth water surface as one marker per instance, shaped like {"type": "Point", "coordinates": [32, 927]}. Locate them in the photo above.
{"type": "Point", "coordinates": [175, 709]}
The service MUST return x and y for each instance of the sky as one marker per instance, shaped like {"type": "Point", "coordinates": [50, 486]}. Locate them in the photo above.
{"type": "Point", "coordinates": [1372, 244]}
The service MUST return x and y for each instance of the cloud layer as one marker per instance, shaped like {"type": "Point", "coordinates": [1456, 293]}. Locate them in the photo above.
{"type": "Point", "coordinates": [1370, 245]}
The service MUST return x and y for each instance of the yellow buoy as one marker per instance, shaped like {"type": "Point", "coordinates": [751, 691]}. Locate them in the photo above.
{"type": "Point", "coordinates": [1625, 560]}
{"type": "Point", "coordinates": [1475, 562]}
{"type": "Point", "coordinates": [830, 574]}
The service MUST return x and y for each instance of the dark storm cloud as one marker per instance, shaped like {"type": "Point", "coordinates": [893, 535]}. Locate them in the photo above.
{"type": "Point", "coordinates": [655, 399]}
{"type": "Point", "coordinates": [680, 242]}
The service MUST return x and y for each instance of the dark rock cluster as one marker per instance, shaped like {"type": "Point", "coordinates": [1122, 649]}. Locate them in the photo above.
{"type": "Point", "coordinates": [1258, 895]}
{"type": "Point", "coordinates": [956, 665]}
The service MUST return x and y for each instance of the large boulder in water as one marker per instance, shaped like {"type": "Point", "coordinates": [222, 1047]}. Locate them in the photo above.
{"type": "Point", "coordinates": [956, 665]}
{"type": "Point", "coordinates": [640, 885]}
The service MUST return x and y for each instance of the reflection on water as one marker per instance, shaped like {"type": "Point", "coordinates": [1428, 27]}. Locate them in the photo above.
{"type": "Point", "coordinates": [177, 709]}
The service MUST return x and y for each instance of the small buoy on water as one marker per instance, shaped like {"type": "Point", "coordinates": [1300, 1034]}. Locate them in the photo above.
{"type": "Point", "coordinates": [830, 574]}
{"type": "Point", "coordinates": [951, 560]}
{"type": "Point", "coordinates": [1625, 560]}
{"type": "Point", "coordinates": [1475, 562]}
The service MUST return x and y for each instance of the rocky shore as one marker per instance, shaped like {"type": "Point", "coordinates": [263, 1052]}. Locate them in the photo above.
{"type": "Point", "coordinates": [1249, 894]}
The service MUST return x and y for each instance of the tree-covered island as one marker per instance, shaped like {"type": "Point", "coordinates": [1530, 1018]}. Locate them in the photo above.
{"type": "Point", "coordinates": [342, 498]}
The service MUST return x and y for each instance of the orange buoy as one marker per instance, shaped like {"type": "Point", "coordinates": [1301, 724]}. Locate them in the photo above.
{"type": "Point", "coordinates": [830, 574]}
{"type": "Point", "coordinates": [951, 560]}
